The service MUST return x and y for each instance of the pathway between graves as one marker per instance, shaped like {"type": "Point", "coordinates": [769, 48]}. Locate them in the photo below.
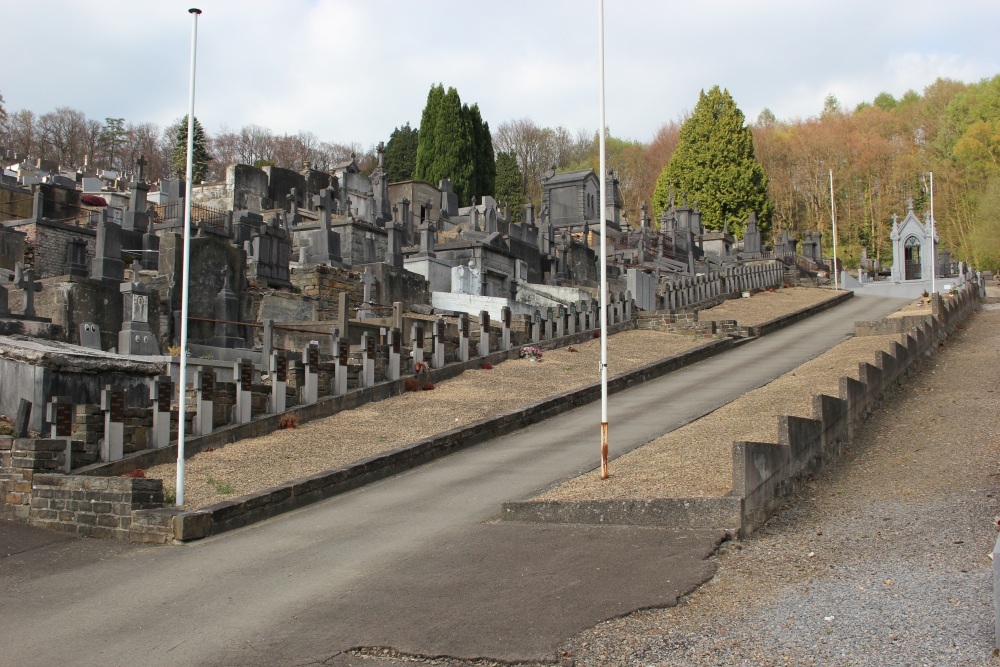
{"type": "Point", "coordinates": [414, 562]}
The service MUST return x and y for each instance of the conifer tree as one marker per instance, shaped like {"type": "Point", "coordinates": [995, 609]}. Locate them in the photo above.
{"type": "Point", "coordinates": [714, 165]}
{"type": "Point", "coordinates": [199, 149]}
{"type": "Point", "coordinates": [428, 138]}
{"type": "Point", "coordinates": [510, 184]}
{"type": "Point", "coordinates": [401, 153]}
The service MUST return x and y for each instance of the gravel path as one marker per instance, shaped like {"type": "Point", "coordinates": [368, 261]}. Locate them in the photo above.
{"type": "Point", "coordinates": [882, 560]}
{"type": "Point", "coordinates": [766, 306]}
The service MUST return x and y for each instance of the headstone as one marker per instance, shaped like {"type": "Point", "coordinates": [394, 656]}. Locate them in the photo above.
{"type": "Point", "coordinates": [484, 333]}
{"type": "Point", "coordinates": [437, 343]}
{"type": "Point", "coordinates": [227, 314]}
{"type": "Point", "coordinates": [113, 405]}
{"type": "Point", "coordinates": [107, 264]}
{"type": "Point", "coordinates": [549, 317]}
{"type": "Point", "coordinates": [368, 342]}
{"type": "Point", "coordinates": [161, 392]}
{"type": "Point", "coordinates": [24, 278]}
{"type": "Point", "coordinates": [90, 335]}
{"type": "Point", "coordinates": [463, 337]}
{"type": "Point", "coordinates": [204, 387]}
{"type": "Point", "coordinates": [561, 321]}
{"type": "Point", "coordinates": [22, 418]}
{"type": "Point", "coordinates": [417, 343]}
{"type": "Point", "coordinates": [367, 279]}
{"type": "Point", "coordinates": [136, 337]}
{"type": "Point", "coordinates": [76, 257]}
{"type": "Point", "coordinates": [60, 413]}
{"type": "Point", "coordinates": [278, 369]}
{"type": "Point", "coordinates": [310, 363]}
{"type": "Point", "coordinates": [395, 349]}
{"type": "Point", "coordinates": [536, 327]}
{"type": "Point", "coordinates": [394, 246]}
{"type": "Point", "coordinates": [341, 352]}
{"type": "Point", "coordinates": [243, 374]}
{"type": "Point", "coordinates": [325, 247]}
{"type": "Point", "coordinates": [505, 318]}
{"type": "Point", "coordinates": [428, 236]}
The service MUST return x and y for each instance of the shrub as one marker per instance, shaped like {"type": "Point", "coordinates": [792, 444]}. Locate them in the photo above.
{"type": "Point", "coordinates": [138, 473]}
{"type": "Point", "coordinates": [93, 200]}
{"type": "Point", "coordinates": [411, 384]}
{"type": "Point", "coordinates": [596, 334]}
{"type": "Point", "coordinates": [486, 366]}
{"type": "Point", "coordinates": [288, 421]}
{"type": "Point", "coordinates": [428, 386]}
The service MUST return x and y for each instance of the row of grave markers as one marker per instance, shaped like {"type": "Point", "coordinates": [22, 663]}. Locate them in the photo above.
{"type": "Point", "coordinates": [557, 322]}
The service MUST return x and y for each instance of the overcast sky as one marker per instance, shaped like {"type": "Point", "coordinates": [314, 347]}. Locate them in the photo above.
{"type": "Point", "coordinates": [352, 71]}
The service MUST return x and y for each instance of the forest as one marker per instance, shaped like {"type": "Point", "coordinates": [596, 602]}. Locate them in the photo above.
{"type": "Point", "coordinates": [881, 152]}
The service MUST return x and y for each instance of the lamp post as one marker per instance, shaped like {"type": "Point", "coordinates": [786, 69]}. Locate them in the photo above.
{"type": "Point", "coordinates": [186, 269]}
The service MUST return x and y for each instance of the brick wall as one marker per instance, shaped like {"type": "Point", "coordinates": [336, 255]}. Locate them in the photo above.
{"type": "Point", "coordinates": [324, 283]}
{"type": "Point", "coordinates": [48, 243]}
{"type": "Point", "coordinates": [91, 506]}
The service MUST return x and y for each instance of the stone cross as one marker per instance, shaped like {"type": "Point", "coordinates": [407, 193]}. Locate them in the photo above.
{"type": "Point", "coordinates": [141, 164]}
{"type": "Point", "coordinates": [368, 279]}
{"type": "Point", "coordinates": [24, 278]}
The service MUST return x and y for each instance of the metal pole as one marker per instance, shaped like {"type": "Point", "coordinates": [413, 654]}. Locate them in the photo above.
{"type": "Point", "coordinates": [833, 219]}
{"type": "Point", "coordinates": [604, 250]}
{"type": "Point", "coordinates": [933, 244]}
{"type": "Point", "coordinates": [186, 269]}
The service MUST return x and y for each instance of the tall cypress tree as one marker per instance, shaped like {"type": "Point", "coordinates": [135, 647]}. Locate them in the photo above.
{"type": "Point", "coordinates": [714, 165]}
{"type": "Point", "coordinates": [426, 150]}
{"type": "Point", "coordinates": [484, 164]}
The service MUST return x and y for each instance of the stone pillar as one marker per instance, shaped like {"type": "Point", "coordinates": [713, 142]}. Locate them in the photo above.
{"type": "Point", "coordinates": [243, 375]}
{"type": "Point", "coordinates": [310, 363]}
{"type": "Point", "coordinates": [628, 306]}
{"type": "Point", "coordinates": [505, 330]}
{"type": "Point", "coordinates": [484, 333]}
{"type": "Point", "coordinates": [463, 337]}
{"type": "Point", "coordinates": [368, 341]}
{"type": "Point", "coordinates": [536, 327]}
{"type": "Point", "coordinates": [204, 382]}
{"type": "Point", "coordinates": [59, 414]}
{"type": "Point", "coordinates": [161, 392]}
{"type": "Point", "coordinates": [417, 344]}
{"type": "Point", "coordinates": [548, 324]}
{"type": "Point", "coordinates": [113, 405]}
{"type": "Point", "coordinates": [561, 321]}
{"type": "Point", "coordinates": [267, 338]}
{"type": "Point", "coordinates": [437, 344]}
{"type": "Point", "coordinates": [278, 368]}
{"type": "Point", "coordinates": [571, 322]}
{"type": "Point", "coordinates": [341, 352]}
{"type": "Point", "coordinates": [395, 345]}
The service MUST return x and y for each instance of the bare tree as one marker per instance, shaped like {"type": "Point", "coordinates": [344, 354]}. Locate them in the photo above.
{"type": "Point", "coordinates": [22, 132]}
{"type": "Point", "coordinates": [64, 136]}
{"type": "Point", "coordinates": [256, 144]}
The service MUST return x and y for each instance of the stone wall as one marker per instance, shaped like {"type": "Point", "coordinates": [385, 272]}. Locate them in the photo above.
{"type": "Point", "coordinates": [91, 506]}
{"type": "Point", "coordinates": [49, 245]}
{"type": "Point", "coordinates": [325, 283]}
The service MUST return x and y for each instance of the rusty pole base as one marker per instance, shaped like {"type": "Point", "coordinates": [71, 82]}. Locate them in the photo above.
{"type": "Point", "coordinates": [604, 450]}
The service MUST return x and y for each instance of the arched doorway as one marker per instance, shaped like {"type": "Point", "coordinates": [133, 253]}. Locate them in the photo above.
{"type": "Point", "coordinates": [911, 250]}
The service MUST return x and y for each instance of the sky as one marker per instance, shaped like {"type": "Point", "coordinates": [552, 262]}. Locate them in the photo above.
{"type": "Point", "coordinates": [353, 71]}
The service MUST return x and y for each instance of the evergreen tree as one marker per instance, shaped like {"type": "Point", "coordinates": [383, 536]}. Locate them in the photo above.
{"type": "Point", "coordinates": [510, 184]}
{"type": "Point", "coordinates": [455, 143]}
{"type": "Point", "coordinates": [426, 149]}
{"type": "Point", "coordinates": [199, 148]}
{"type": "Point", "coordinates": [715, 166]}
{"type": "Point", "coordinates": [401, 153]}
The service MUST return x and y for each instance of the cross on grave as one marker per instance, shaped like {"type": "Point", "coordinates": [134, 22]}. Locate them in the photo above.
{"type": "Point", "coordinates": [24, 278]}
{"type": "Point", "coordinates": [140, 167]}
{"type": "Point", "coordinates": [368, 278]}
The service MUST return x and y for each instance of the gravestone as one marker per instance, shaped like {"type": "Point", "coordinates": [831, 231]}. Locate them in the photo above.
{"type": "Point", "coordinates": [136, 337]}
{"type": "Point", "coordinates": [484, 333]}
{"type": "Point", "coordinates": [204, 383]}
{"type": "Point", "coordinates": [367, 280]}
{"type": "Point", "coordinates": [107, 264]}
{"type": "Point", "coordinates": [505, 318]}
{"type": "Point", "coordinates": [24, 278]}
{"type": "Point", "coordinates": [90, 335]}
{"type": "Point", "coordinates": [227, 314]}
{"type": "Point", "coordinates": [113, 405]}
{"type": "Point", "coordinates": [278, 368]}
{"type": "Point", "coordinates": [368, 359]}
{"type": "Point", "coordinates": [243, 374]}
{"type": "Point", "coordinates": [437, 343]}
{"type": "Point", "coordinates": [325, 246]}
{"type": "Point", "coordinates": [161, 392]}
{"type": "Point", "coordinates": [536, 327]}
{"type": "Point", "coordinates": [549, 317]}
{"type": "Point", "coordinates": [560, 321]}
{"type": "Point", "coordinates": [341, 352]}
{"type": "Point", "coordinates": [76, 257]}
{"type": "Point", "coordinates": [60, 414]}
{"type": "Point", "coordinates": [310, 364]}
{"type": "Point", "coordinates": [395, 349]}
{"type": "Point", "coordinates": [571, 322]}
{"type": "Point", "coordinates": [463, 337]}
{"type": "Point", "coordinates": [269, 254]}
{"type": "Point", "coordinates": [751, 237]}
{"type": "Point", "coordinates": [416, 343]}
{"type": "Point", "coordinates": [394, 247]}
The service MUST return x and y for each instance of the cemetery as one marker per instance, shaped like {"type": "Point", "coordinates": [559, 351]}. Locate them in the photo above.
{"type": "Point", "coordinates": [314, 294]}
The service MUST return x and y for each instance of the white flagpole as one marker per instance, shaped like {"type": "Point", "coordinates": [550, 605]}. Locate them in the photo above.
{"type": "Point", "coordinates": [833, 223]}
{"type": "Point", "coordinates": [604, 250]}
{"type": "Point", "coordinates": [186, 271]}
{"type": "Point", "coordinates": [933, 243]}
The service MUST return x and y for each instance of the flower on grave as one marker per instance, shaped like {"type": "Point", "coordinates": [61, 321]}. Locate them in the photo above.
{"type": "Point", "coordinates": [420, 366]}
{"type": "Point", "coordinates": [532, 353]}
{"type": "Point", "coordinates": [93, 200]}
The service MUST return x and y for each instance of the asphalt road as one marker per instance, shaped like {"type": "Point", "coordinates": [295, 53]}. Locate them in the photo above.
{"type": "Point", "coordinates": [415, 562]}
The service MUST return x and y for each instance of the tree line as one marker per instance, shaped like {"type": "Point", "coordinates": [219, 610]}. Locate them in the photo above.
{"type": "Point", "coordinates": [881, 154]}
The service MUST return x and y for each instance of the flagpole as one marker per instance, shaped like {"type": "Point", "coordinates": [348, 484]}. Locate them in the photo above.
{"type": "Point", "coordinates": [933, 244]}
{"type": "Point", "coordinates": [186, 269]}
{"type": "Point", "coordinates": [604, 250]}
{"type": "Point", "coordinates": [833, 223]}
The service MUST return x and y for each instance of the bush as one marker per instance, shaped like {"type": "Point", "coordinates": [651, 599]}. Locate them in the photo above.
{"type": "Point", "coordinates": [138, 473]}
{"type": "Point", "coordinates": [486, 366]}
{"type": "Point", "coordinates": [428, 386]}
{"type": "Point", "coordinates": [411, 384]}
{"type": "Point", "coordinates": [288, 421]}
{"type": "Point", "coordinates": [93, 200]}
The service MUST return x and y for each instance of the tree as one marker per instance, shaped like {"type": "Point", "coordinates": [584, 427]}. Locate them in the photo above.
{"type": "Point", "coordinates": [200, 156]}
{"type": "Point", "coordinates": [715, 166]}
{"type": "Point", "coordinates": [3, 119]}
{"type": "Point", "coordinates": [63, 136]}
{"type": "Point", "coordinates": [111, 137]}
{"type": "Point", "coordinates": [401, 153]}
{"type": "Point", "coordinates": [456, 144]}
{"type": "Point", "coordinates": [510, 184]}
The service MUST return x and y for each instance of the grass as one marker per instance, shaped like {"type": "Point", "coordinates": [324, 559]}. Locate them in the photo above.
{"type": "Point", "coordinates": [223, 488]}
